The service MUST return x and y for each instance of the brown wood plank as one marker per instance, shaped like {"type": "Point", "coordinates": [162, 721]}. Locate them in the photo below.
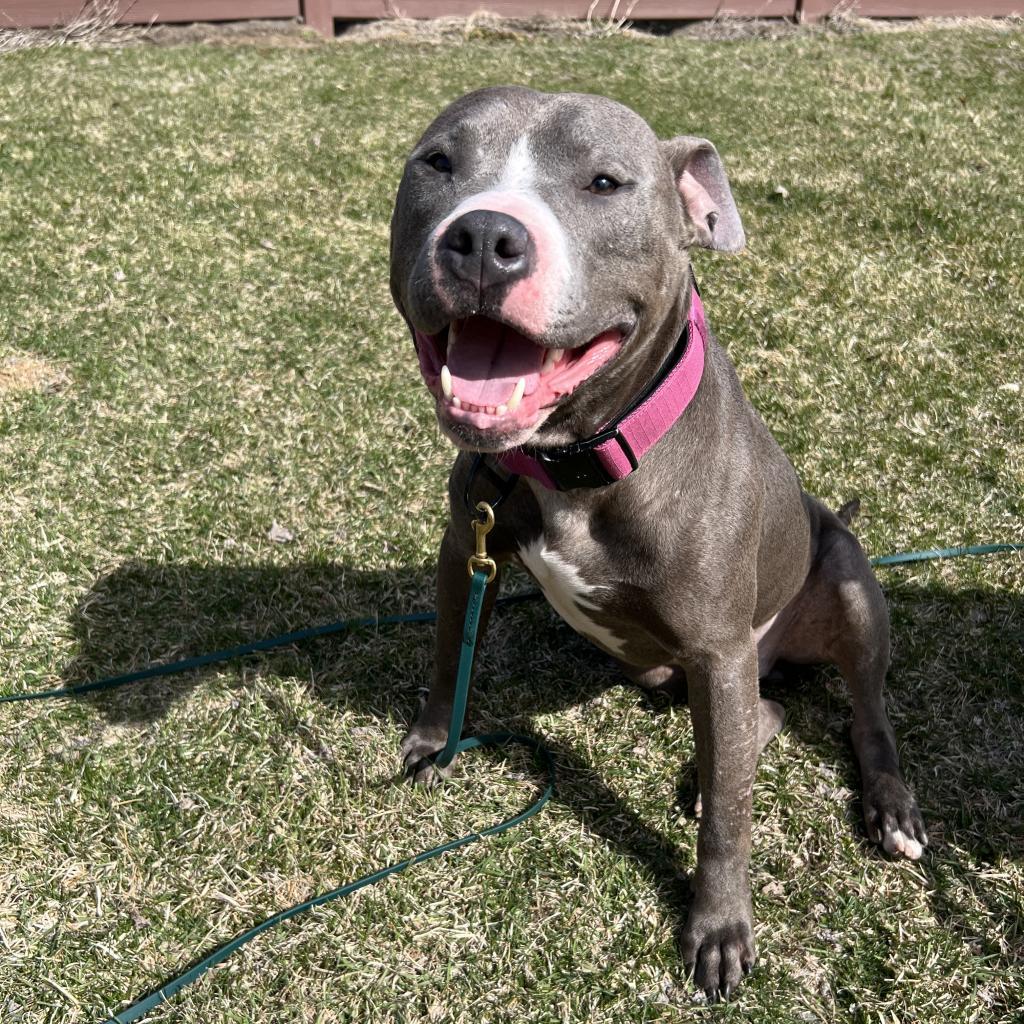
{"type": "Point", "coordinates": [815, 10]}
{"type": "Point", "coordinates": [43, 13]}
{"type": "Point", "coordinates": [317, 15]}
{"type": "Point", "coordinates": [642, 9]}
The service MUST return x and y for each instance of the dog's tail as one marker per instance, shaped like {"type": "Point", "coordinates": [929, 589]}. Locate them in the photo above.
{"type": "Point", "coordinates": [849, 511]}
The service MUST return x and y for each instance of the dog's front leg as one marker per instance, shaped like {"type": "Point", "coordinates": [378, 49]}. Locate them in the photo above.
{"type": "Point", "coordinates": [718, 940]}
{"type": "Point", "coordinates": [430, 731]}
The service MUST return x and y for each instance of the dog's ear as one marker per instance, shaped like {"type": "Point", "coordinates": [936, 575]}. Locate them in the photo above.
{"type": "Point", "coordinates": [701, 181]}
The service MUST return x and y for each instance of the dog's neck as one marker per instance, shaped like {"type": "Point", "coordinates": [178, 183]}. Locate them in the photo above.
{"type": "Point", "coordinates": [615, 450]}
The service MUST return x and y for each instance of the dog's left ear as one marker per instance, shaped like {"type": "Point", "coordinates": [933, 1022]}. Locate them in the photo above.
{"type": "Point", "coordinates": [701, 181]}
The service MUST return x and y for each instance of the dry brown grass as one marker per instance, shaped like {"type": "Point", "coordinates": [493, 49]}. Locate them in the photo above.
{"type": "Point", "coordinates": [485, 25]}
{"type": "Point", "coordinates": [29, 372]}
{"type": "Point", "coordinates": [95, 25]}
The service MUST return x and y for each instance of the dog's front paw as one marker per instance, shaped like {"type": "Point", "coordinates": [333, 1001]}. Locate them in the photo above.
{"type": "Point", "coordinates": [421, 743]}
{"type": "Point", "coordinates": [893, 819]}
{"type": "Point", "coordinates": [718, 947]}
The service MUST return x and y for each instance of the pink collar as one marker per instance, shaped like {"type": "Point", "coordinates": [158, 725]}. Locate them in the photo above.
{"type": "Point", "coordinates": [616, 450]}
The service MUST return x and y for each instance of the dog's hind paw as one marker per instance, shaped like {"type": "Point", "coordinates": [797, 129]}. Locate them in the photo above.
{"type": "Point", "coordinates": [893, 819]}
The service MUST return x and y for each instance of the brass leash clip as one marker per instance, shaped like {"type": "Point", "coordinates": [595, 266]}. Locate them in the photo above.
{"type": "Point", "coordinates": [482, 527]}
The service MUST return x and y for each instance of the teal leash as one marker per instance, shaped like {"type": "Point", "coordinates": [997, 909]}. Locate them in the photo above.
{"type": "Point", "coordinates": [168, 991]}
{"type": "Point", "coordinates": [934, 554]}
{"type": "Point", "coordinates": [455, 745]}
{"type": "Point", "coordinates": [172, 668]}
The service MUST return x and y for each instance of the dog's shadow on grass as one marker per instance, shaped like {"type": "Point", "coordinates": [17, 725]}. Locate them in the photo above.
{"type": "Point", "coordinates": [148, 614]}
{"type": "Point", "coordinates": [955, 692]}
{"type": "Point", "coordinates": [143, 614]}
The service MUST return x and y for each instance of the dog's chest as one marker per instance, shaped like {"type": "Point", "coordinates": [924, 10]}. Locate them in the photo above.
{"type": "Point", "coordinates": [570, 588]}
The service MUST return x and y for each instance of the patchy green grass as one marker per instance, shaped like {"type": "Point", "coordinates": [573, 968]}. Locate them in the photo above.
{"type": "Point", "coordinates": [198, 343]}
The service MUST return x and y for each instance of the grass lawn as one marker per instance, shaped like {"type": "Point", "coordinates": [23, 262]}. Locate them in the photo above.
{"type": "Point", "coordinates": [198, 342]}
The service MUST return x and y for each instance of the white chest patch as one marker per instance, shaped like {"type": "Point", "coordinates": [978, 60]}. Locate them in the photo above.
{"type": "Point", "coordinates": [568, 593]}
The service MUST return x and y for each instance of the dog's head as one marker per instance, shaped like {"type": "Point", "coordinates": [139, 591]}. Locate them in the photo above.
{"type": "Point", "coordinates": [537, 240]}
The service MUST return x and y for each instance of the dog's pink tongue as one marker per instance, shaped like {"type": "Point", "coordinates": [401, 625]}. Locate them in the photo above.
{"type": "Point", "coordinates": [486, 360]}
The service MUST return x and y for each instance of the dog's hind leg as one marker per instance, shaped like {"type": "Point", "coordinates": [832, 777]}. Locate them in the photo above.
{"type": "Point", "coordinates": [891, 814]}
{"type": "Point", "coordinates": [841, 618]}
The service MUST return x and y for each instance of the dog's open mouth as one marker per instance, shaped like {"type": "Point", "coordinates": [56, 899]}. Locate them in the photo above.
{"type": "Point", "coordinates": [490, 376]}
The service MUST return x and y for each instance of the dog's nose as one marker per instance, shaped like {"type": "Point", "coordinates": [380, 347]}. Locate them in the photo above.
{"type": "Point", "coordinates": [486, 248]}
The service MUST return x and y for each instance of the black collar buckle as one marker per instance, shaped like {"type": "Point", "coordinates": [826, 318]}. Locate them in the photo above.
{"type": "Point", "coordinates": [579, 465]}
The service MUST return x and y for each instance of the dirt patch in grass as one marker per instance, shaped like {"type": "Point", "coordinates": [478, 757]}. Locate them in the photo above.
{"type": "Point", "coordinates": [482, 26]}
{"type": "Point", "coordinates": [729, 28]}
{"type": "Point", "coordinates": [26, 372]}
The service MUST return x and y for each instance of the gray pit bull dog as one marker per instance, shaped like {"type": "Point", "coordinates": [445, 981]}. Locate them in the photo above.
{"type": "Point", "coordinates": [540, 256]}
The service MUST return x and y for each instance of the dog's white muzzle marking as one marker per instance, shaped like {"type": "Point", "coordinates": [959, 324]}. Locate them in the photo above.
{"type": "Point", "coordinates": [533, 302]}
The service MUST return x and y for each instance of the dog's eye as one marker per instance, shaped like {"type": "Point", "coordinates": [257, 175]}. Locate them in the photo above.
{"type": "Point", "coordinates": [603, 185]}
{"type": "Point", "coordinates": [439, 162]}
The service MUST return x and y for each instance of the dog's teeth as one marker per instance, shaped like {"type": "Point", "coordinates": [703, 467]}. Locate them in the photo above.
{"type": "Point", "coordinates": [551, 357]}
{"type": "Point", "coordinates": [446, 381]}
{"type": "Point", "coordinates": [517, 395]}
{"type": "Point", "coordinates": [501, 409]}
{"type": "Point", "coordinates": [457, 402]}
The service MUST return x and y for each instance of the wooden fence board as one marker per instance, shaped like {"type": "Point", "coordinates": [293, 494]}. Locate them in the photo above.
{"type": "Point", "coordinates": [317, 14]}
{"type": "Point", "coordinates": [44, 13]}
{"type": "Point", "coordinates": [642, 9]}
{"type": "Point", "coordinates": [320, 14]}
